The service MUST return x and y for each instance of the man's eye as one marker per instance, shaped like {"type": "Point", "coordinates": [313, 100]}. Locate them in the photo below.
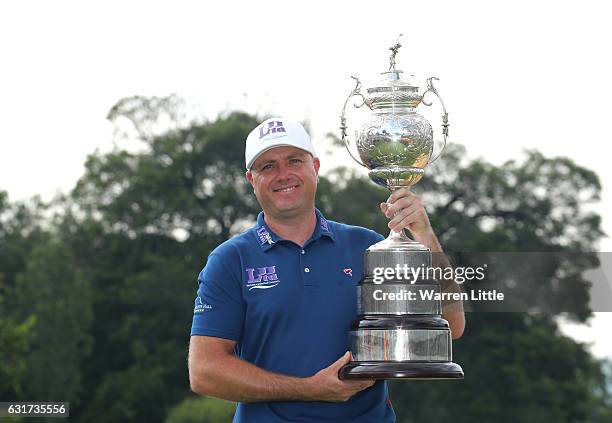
{"type": "Point", "coordinates": [266, 167]}
{"type": "Point", "coordinates": [295, 161]}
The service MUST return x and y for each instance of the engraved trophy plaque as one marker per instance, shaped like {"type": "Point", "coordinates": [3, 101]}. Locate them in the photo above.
{"type": "Point", "coordinates": [391, 338]}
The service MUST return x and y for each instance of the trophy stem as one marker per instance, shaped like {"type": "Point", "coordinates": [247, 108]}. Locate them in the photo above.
{"type": "Point", "coordinates": [400, 236]}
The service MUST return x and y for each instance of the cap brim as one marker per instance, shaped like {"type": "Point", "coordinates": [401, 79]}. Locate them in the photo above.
{"type": "Point", "coordinates": [250, 164]}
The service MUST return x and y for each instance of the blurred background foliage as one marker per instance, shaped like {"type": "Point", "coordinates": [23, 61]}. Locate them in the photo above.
{"type": "Point", "coordinates": [97, 286]}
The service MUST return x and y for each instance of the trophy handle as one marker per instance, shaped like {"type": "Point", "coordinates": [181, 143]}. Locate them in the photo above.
{"type": "Point", "coordinates": [445, 124]}
{"type": "Point", "coordinates": [343, 127]}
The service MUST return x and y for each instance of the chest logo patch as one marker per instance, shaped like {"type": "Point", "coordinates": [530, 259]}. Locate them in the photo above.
{"type": "Point", "coordinates": [262, 277]}
{"type": "Point", "coordinates": [348, 272]}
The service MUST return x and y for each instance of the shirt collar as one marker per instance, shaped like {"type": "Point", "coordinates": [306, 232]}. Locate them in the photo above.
{"type": "Point", "coordinates": [264, 234]}
{"type": "Point", "coordinates": [322, 228]}
{"type": "Point", "coordinates": [267, 238]}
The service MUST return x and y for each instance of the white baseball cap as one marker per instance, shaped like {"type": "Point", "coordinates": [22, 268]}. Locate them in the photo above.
{"type": "Point", "coordinates": [276, 132]}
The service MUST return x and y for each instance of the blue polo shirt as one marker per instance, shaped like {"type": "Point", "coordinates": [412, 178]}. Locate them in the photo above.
{"type": "Point", "coordinates": [290, 308]}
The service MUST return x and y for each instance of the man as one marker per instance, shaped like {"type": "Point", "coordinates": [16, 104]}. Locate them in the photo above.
{"type": "Point", "coordinates": [274, 305]}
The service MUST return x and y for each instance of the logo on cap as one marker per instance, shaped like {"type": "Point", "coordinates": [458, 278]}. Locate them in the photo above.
{"type": "Point", "coordinates": [272, 128]}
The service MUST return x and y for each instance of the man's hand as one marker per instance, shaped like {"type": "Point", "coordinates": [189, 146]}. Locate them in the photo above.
{"type": "Point", "coordinates": [326, 386]}
{"type": "Point", "coordinates": [410, 214]}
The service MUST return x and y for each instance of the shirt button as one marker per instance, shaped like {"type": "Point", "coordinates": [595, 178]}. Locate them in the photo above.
{"type": "Point", "coordinates": [306, 270]}
{"type": "Point", "coordinates": [303, 252]}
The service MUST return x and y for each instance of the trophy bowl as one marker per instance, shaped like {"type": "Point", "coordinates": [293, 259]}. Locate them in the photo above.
{"type": "Point", "coordinates": [396, 148]}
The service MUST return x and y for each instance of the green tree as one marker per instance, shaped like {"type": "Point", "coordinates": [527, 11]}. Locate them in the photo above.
{"type": "Point", "coordinates": [201, 410]}
{"type": "Point", "coordinates": [15, 341]}
{"type": "Point", "coordinates": [57, 294]}
{"type": "Point", "coordinates": [20, 231]}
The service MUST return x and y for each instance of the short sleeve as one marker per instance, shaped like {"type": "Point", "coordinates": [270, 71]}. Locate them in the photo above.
{"type": "Point", "coordinates": [219, 307]}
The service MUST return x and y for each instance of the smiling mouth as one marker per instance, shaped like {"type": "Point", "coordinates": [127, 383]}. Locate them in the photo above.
{"type": "Point", "coordinates": [286, 189]}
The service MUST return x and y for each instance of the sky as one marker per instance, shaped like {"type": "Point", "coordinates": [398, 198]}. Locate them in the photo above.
{"type": "Point", "coordinates": [513, 75]}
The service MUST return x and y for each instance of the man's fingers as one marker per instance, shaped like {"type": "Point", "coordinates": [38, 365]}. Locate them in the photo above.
{"type": "Point", "coordinates": [398, 193]}
{"type": "Point", "coordinates": [341, 361]}
{"type": "Point", "coordinates": [401, 204]}
{"type": "Point", "coordinates": [411, 217]}
{"type": "Point", "coordinates": [360, 385]}
{"type": "Point", "coordinates": [404, 217]}
{"type": "Point", "coordinates": [366, 383]}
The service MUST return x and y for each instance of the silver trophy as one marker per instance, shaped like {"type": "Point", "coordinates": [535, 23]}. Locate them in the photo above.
{"type": "Point", "coordinates": [397, 333]}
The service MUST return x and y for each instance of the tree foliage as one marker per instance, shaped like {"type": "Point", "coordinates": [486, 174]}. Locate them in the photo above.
{"type": "Point", "coordinates": [20, 231]}
{"type": "Point", "coordinates": [201, 410]}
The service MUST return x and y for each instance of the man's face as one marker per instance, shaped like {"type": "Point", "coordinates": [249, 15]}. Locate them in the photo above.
{"type": "Point", "coordinates": [285, 181]}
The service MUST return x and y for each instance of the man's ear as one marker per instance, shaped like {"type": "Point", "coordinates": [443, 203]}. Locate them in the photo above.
{"type": "Point", "coordinates": [317, 164]}
{"type": "Point", "coordinates": [249, 176]}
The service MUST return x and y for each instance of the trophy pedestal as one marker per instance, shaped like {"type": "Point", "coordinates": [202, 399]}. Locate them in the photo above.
{"type": "Point", "coordinates": [400, 370]}
{"type": "Point", "coordinates": [400, 332]}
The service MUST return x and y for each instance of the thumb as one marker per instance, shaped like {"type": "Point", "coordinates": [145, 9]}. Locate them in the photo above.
{"type": "Point", "coordinates": [342, 360]}
{"type": "Point", "coordinates": [384, 206]}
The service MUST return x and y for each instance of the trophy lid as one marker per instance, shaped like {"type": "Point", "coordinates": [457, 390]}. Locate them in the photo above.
{"type": "Point", "coordinates": [393, 90]}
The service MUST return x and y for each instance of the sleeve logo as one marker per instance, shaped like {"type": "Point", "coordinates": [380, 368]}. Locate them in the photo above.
{"type": "Point", "coordinates": [201, 307]}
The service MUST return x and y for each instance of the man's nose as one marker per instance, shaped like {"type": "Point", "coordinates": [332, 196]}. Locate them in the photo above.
{"type": "Point", "coordinates": [283, 171]}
